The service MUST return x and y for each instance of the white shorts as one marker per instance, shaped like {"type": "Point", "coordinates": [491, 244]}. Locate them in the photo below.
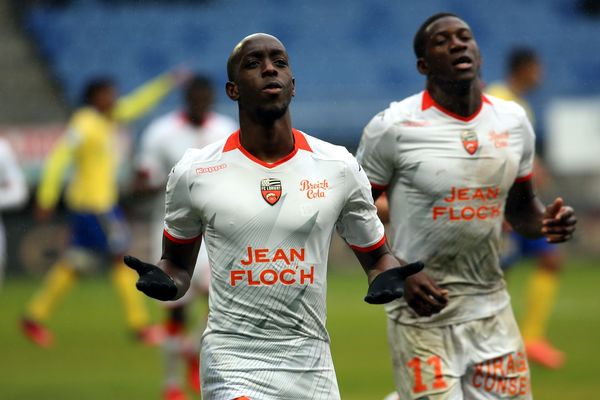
{"type": "Point", "coordinates": [233, 366]}
{"type": "Point", "coordinates": [480, 359]}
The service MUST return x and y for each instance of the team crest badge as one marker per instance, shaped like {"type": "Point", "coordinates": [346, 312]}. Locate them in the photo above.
{"type": "Point", "coordinates": [469, 141]}
{"type": "Point", "coordinates": [270, 188]}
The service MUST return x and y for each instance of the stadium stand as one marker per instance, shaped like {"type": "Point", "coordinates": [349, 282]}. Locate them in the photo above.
{"type": "Point", "coordinates": [356, 54]}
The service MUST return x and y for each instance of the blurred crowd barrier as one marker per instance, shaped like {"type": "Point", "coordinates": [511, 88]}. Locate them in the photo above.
{"type": "Point", "coordinates": [572, 151]}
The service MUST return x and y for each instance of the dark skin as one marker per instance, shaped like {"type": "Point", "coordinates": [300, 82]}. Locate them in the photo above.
{"type": "Point", "coordinates": [198, 104]}
{"type": "Point", "coordinates": [452, 65]}
{"type": "Point", "coordinates": [262, 84]}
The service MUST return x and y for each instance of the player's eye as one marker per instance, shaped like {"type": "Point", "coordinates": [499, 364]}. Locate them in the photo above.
{"type": "Point", "coordinates": [439, 40]}
{"type": "Point", "coordinates": [281, 63]}
{"type": "Point", "coordinates": [251, 64]}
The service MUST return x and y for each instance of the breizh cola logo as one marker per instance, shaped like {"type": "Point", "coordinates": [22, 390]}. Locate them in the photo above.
{"type": "Point", "coordinates": [469, 141]}
{"type": "Point", "coordinates": [270, 188]}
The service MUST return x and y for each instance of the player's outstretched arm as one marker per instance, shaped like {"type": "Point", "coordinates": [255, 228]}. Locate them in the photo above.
{"type": "Point", "coordinates": [170, 278]}
{"type": "Point", "coordinates": [528, 216]}
{"type": "Point", "coordinates": [153, 281]}
{"type": "Point", "coordinates": [386, 274]}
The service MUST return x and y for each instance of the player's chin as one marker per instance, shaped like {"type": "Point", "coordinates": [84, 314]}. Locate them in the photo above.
{"type": "Point", "coordinates": [273, 111]}
{"type": "Point", "coordinates": [464, 76]}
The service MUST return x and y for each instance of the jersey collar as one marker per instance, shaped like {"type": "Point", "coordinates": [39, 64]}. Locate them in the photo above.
{"type": "Point", "coordinates": [429, 102]}
{"type": "Point", "coordinates": [300, 143]}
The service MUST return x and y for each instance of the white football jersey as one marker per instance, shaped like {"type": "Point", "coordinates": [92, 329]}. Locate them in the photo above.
{"type": "Point", "coordinates": [447, 179]}
{"type": "Point", "coordinates": [267, 228]}
{"type": "Point", "coordinates": [13, 191]}
{"type": "Point", "coordinates": [163, 143]}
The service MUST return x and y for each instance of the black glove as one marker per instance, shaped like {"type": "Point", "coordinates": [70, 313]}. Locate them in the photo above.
{"type": "Point", "coordinates": [389, 285]}
{"type": "Point", "coordinates": [153, 281]}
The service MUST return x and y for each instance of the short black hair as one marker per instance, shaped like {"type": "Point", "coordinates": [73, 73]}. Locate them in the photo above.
{"type": "Point", "coordinates": [93, 86]}
{"type": "Point", "coordinates": [420, 37]}
{"type": "Point", "coordinates": [197, 83]}
{"type": "Point", "coordinates": [520, 57]}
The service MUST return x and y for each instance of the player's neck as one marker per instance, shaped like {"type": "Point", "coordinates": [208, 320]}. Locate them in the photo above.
{"type": "Point", "coordinates": [462, 99]}
{"type": "Point", "coordinates": [269, 141]}
{"type": "Point", "coordinates": [516, 87]}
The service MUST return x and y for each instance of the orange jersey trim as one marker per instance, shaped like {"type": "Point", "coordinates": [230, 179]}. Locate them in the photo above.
{"type": "Point", "coordinates": [429, 102]}
{"type": "Point", "coordinates": [524, 178]}
{"type": "Point", "coordinates": [377, 245]}
{"type": "Point", "coordinates": [178, 240]}
{"type": "Point", "coordinates": [300, 143]}
{"type": "Point", "coordinates": [378, 186]}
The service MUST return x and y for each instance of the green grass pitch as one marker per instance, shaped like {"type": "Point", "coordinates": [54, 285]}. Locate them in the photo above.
{"type": "Point", "coordinates": [94, 358]}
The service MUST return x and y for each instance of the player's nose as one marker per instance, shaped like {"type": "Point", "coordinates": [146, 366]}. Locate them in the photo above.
{"type": "Point", "coordinates": [269, 68]}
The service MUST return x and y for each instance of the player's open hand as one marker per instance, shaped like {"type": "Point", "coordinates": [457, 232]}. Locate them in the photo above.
{"type": "Point", "coordinates": [423, 295]}
{"type": "Point", "coordinates": [153, 281]}
{"type": "Point", "coordinates": [558, 223]}
{"type": "Point", "coordinates": [389, 285]}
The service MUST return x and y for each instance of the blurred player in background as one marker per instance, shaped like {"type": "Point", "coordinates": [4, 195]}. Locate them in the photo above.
{"type": "Point", "coordinates": [13, 192]}
{"type": "Point", "coordinates": [453, 162]}
{"type": "Point", "coordinates": [524, 73]}
{"type": "Point", "coordinates": [266, 201]}
{"type": "Point", "coordinates": [98, 230]}
{"type": "Point", "coordinates": [163, 144]}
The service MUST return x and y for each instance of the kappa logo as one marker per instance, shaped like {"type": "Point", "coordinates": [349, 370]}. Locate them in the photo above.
{"type": "Point", "coordinates": [469, 141]}
{"type": "Point", "coordinates": [270, 188]}
{"type": "Point", "coordinates": [208, 170]}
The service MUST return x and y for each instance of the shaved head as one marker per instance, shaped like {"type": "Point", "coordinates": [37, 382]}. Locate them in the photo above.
{"type": "Point", "coordinates": [234, 56]}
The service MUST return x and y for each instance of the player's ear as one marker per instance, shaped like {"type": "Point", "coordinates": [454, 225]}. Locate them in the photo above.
{"type": "Point", "coordinates": [293, 87]}
{"type": "Point", "coordinates": [422, 66]}
{"type": "Point", "coordinates": [231, 89]}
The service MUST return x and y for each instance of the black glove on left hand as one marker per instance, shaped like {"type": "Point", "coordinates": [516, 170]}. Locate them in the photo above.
{"type": "Point", "coordinates": [153, 281]}
{"type": "Point", "coordinates": [389, 285]}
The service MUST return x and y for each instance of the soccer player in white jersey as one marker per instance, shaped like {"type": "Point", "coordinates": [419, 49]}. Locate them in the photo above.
{"type": "Point", "coordinates": [266, 201]}
{"type": "Point", "coordinates": [163, 143]}
{"type": "Point", "coordinates": [13, 192]}
{"type": "Point", "coordinates": [453, 162]}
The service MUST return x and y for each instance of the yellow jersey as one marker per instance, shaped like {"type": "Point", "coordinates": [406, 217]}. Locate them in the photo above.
{"type": "Point", "coordinates": [89, 147]}
{"type": "Point", "coordinates": [502, 91]}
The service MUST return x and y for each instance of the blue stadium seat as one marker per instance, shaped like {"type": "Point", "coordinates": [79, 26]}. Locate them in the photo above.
{"type": "Point", "coordinates": [358, 50]}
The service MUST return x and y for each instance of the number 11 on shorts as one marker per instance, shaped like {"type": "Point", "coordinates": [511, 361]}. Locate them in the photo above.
{"type": "Point", "coordinates": [434, 362]}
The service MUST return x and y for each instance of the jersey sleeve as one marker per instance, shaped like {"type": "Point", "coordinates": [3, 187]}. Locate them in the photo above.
{"type": "Point", "coordinates": [143, 99]}
{"type": "Point", "coordinates": [13, 188]}
{"type": "Point", "coordinates": [528, 137]}
{"type": "Point", "coordinates": [376, 151]}
{"type": "Point", "coordinates": [149, 159]}
{"type": "Point", "coordinates": [182, 222]}
{"type": "Point", "coordinates": [60, 158]}
{"type": "Point", "coordinates": [358, 222]}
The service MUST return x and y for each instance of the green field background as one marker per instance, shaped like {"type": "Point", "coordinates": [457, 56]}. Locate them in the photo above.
{"type": "Point", "coordinates": [94, 357]}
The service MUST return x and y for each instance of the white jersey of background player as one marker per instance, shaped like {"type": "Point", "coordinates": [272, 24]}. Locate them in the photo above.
{"type": "Point", "coordinates": [13, 192]}
{"type": "Point", "coordinates": [266, 202]}
{"type": "Point", "coordinates": [451, 177]}
{"type": "Point", "coordinates": [163, 144]}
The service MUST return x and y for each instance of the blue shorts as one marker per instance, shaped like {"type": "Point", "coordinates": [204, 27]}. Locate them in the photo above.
{"type": "Point", "coordinates": [105, 233]}
{"type": "Point", "coordinates": [521, 247]}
